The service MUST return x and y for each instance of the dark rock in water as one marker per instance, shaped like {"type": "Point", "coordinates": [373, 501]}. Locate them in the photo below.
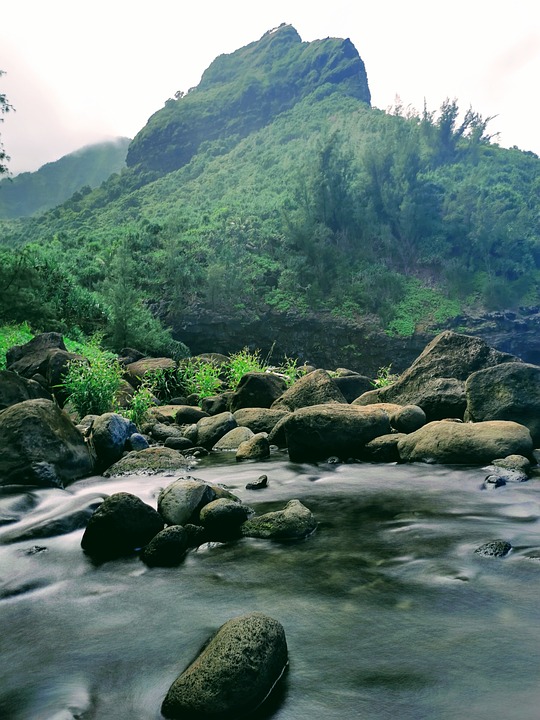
{"type": "Point", "coordinates": [494, 548]}
{"type": "Point", "coordinates": [383, 449]}
{"type": "Point", "coordinates": [256, 448]}
{"type": "Point", "coordinates": [110, 433]}
{"type": "Point", "coordinates": [120, 525]}
{"type": "Point", "coordinates": [167, 548]}
{"type": "Point", "coordinates": [317, 388]}
{"type": "Point", "coordinates": [294, 522]}
{"type": "Point", "coordinates": [492, 482]}
{"type": "Point", "coordinates": [465, 443]}
{"type": "Point", "coordinates": [510, 391]}
{"type": "Point", "coordinates": [234, 673]}
{"type": "Point", "coordinates": [222, 519]}
{"type": "Point", "coordinates": [257, 389]}
{"type": "Point", "coordinates": [39, 445]}
{"type": "Point", "coordinates": [15, 389]}
{"type": "Point", "coordinates": [315, 433]}
{"type": "Point", "coordinates": [259, 484]}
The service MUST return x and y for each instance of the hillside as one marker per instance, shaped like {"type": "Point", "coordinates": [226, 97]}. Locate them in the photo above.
{"type": "Point", "coordinates": [304, 201]}
{"type": "Point", "coordinates": [33, 192]}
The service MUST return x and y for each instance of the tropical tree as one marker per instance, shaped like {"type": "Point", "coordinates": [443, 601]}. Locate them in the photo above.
{"type": "Point", "coordinates": [4, 108]}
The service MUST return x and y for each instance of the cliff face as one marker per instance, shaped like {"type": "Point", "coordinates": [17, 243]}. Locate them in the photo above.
{"type": "Point", "coordinates": [244, 91]}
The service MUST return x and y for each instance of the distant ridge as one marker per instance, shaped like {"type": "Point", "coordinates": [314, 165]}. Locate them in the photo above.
{"type": "Point", "coordinates": [35, 192]}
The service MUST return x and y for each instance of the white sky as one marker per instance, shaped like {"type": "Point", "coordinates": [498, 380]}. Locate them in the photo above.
{"type": "Point", "coordinates": [80, 71]}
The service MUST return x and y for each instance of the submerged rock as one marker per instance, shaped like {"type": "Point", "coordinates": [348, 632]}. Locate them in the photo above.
{"type": "Point", "coordinates": [294, 522]}
{"type": "Point", "coordinates": [234, 673]}
{"type": "Point", "coordinates": [222, 519]}
{"type": "Point", "coordinates": [120, 525]}
{"type": "Point", "coordinates": [494, 548]}
{"type": "Point", "coordinates": [167, 548]}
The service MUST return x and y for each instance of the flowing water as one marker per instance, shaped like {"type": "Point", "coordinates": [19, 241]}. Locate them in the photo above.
{"type": "Point", "coordinates": [387, 610]}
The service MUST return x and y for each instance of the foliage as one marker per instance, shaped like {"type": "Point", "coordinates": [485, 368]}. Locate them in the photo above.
{"type": "Point", "coordinates": [420, 304]}
{"type": "Point", "coordinates": [164, 383]}
{"type": "Point", "coordinates": [92, 384]}
{"type": "Point", "coordinates": [384, 377]}
{"type": "Point", "coordinates": [200, 377]}
{"type": "Point", "coordinates": [142, 400]}
{"type": "Point", "coordinates": [11, 335]}
{"type": "Point", "coordinates": [4, 108]}
{"type": "Point", "coordinates": [242, 362]}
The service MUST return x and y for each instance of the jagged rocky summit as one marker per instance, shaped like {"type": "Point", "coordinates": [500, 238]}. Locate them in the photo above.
{"type": "Point", "coordinates": [245, 90]}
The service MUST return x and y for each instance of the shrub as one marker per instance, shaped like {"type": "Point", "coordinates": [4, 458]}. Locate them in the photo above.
{"type": "Point", "coordinates": [384, 377]}
{"type": "Point", "coordinates": [11, 335]}
{"type": "Point", "coordinates": [241, 363]}
{"type": "Point", "coordinates": [142, 400]}
{"type": "Point", "coordinates": [92, 384]}
{"type": "Point", "coordinates": [200, 377]}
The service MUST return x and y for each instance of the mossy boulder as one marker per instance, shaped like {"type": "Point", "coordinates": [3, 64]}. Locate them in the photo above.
{"type": "Point", "coordinates": [294, 522]}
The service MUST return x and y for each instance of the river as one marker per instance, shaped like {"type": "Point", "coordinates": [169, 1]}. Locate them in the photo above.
{"type": "Point", "coordinates": [387, 610]}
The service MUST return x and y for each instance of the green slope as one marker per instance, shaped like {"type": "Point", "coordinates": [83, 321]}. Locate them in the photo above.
{"type": "Point", "coordinates": [33, 192]}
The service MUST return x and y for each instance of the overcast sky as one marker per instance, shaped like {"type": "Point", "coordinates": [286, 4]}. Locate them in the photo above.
{"type": "Point", "coordinates": [79, 71]}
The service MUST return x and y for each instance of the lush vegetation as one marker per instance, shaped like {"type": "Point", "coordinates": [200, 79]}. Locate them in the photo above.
{"type": "Point", "coordinates": [73, 176]}
{"type": "Point", "coordinates": [323, 204]}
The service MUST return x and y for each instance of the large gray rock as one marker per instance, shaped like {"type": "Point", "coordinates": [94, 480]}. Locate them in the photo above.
{"type": "Point", "coordinates": [182, 500]}
{"type": "Point", "coordinates": [257, 389]}
{"type": "Point", "coordinates": [31, 358]}
{"type": "Point", "coordinates": [256, 448]}
{"type": "Point", "coordinates": [435, 381]}
{"type": "Point", "coordinates": [120, 525]}
{"type": "Point", "coordinates": [317, 432]}
{"type": "Point", "coordinates": [233, 439]}
{"type": "Point", "coordinates": [222, 519]}
{"type": "Point", "coordinates": [211, 429]}
{"type": "Point", "coordinates": [137, 371]}
{"type": "Point", "coordinates": [39, 445]}
{"type": "Point", "coordinates": [15, 389]}
{"type": "Point", "coordinates": [259, 419]}
{"type": "Point", "coordinates": [506, 392]}
{"type": "Point", "coordinates": [353, 385]}
{"type": "Point", "coordinates": [316, 388]}
{"type": "Point", "coordinates": [235, 672]}
{"type": "Point", "coordinates": [110, 433]}
{"type": "Point", "coordinates": [148, 462]}
{"type": "Point", "coordinates": [294, 522]}
{"type": "Point", "coordinates": [465, 443]}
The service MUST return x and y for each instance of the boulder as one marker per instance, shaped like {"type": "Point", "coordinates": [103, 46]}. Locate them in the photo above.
{"type": "Point", "coordinates": [188, 414]}
{"type": "Point", "coordinates": [216, 404]}
{"type": "Point", "coordinates": [317, 388]}
{"type": "Point", "coordinates": [148, 462]}
{"type": "Point", "coordinates": [222, 519]}
{"type": "Point", "coordinates": [162, 413]}
{"type": "Point", "coordinates": [212, 429]}
{"type": "Point", "coordinates": [234, 673]}
{"type": "Point", "coordinates": [120, 525]}
{"type": "Point", "coordinates": [162, 431]}
{"type": "Point", "coordinates": [465, 443]}
{"type": "Point", "coordinates": [315, 433]}
{"type": "Point", "coordinates": [494, 548]}
{"type": "Point", "coordinates": [277, 435]}
{"type": "Point", "coordinates": [506, 392]}
{"type": "Point", "coordinates": [256, 448]}
{"type": "Point", "coordinates": [136, 371]}
{"type": "Point", "coordinates": [180, 443]}
{"type": "Point", "coordinates": [136, 442]}
{"type": "Point", "coordinates": [259, 419]}
{"type": "Point", "coordinates": [352, 385]}
{"type": "Point", "coordinates": [28, 359]}
{"type": "Point", "coordinates": [294, 522]}
{"type": "Point", "coordinates": [257, 389]}
{"type": "Point", "coordinates": [233, 439]}
{"type": "Point", "coordinates": [435, 380]}
{"type": "Point", "coordinates": [167, 548]}
{"type": "Point", "coordinates": [15, 389]}
{"type": "Point", "coordinates": [39, 445]}
{"type": "Point", "coordinates": [181, 501]}
{"type": "Point", "coordinates": [383, 449]}
{"type": "Point", "coordinates": [109, 435]}
{"type": "Point", "coordinates": [407, 419]}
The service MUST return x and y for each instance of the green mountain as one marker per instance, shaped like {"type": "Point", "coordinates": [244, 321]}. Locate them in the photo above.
{"type": "Point", "coordinates": [34, 192]}
{"type": "Point", "coordinates": [274, 190]}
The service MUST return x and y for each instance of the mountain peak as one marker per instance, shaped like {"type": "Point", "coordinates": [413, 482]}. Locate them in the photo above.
{"type": "Point", "coordinates": [242, 91]}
